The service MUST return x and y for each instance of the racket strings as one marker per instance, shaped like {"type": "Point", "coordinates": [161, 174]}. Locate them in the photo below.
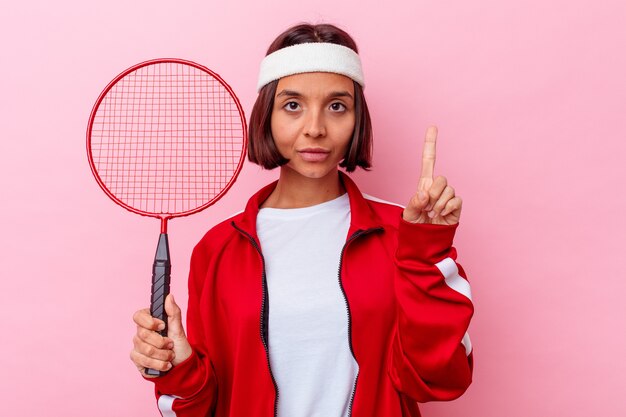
{"type": "Point", "coordinates": [167, 138]}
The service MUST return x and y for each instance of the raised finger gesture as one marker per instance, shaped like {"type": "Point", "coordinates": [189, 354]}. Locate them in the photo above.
{"type": "Point", "coordinates": [435, 201]}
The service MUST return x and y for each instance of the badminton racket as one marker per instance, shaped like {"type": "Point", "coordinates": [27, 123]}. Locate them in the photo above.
{"type": "Point", "coordinates": [166, 138]}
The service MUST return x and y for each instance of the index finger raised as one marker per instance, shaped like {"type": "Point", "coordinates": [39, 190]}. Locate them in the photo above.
{"type": "Point", "coordinates": [429, 153]}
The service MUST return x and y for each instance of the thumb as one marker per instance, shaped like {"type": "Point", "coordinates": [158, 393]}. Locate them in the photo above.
{"type": "Point", "coordinates": [422, 200]}
{"type": "Point", "coordinates": [175, 331]}
{"type": "Point", "coordinates": [174, 318]}
{"type": "Point", "coordinates": [413, 211]}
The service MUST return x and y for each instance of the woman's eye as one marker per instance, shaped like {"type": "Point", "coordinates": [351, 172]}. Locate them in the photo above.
{"type": "Point", "coordinates": [292, 106]}
{"type": "Point", "coordinates": [337, 107]}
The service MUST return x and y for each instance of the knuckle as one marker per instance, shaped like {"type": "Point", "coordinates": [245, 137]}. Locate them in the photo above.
{"type": "Point", "coordinates": [137, 358]}
{"type": "Point", "coordinates": [139, 316]}
{"type": "Point", "coordinates": [160, 365]}
{"type": "Point", "coordinates": [145, 362]}
{"type": "Point", "coordinates": [440, 205]}
{"type": "Point", "coordinates": [150, 351]}
{"type": "Point", "coordinates": [143, 333]}
{"type": "Point", "coordinates": [156, 339]}
{"type": "Point", "coordinates": [151, 363]}
{"type": "Point", "coordinates": [147, 339]}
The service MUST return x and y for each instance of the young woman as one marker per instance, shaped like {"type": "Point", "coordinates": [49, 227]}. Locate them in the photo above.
{"type": "Point", "coordinates": [317, 300]}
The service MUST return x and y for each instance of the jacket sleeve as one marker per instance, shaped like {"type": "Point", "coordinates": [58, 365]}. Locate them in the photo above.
{"type": "Point", "coordinates": [190, 388]}
{"type": "Point", "coordinates": [431, 354]}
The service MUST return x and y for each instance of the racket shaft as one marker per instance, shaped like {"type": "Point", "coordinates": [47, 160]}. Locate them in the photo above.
{"type": "Point", "coordinates": [161, 269]}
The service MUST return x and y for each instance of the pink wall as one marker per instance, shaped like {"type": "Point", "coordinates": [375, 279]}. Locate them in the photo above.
{"type": "Point", "coordinates": [529, 98]}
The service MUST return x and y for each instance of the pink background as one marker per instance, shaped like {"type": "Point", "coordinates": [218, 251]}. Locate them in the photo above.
{"type": "Point", "coordinates": [529, 98]}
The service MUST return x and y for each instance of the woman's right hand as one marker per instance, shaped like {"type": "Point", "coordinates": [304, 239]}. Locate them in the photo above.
{"type": "Point", "coordinates": [150, 349]}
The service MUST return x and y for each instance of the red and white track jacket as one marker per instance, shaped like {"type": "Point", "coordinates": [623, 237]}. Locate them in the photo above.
{"type": "Point", "coordinates": [407, 300]}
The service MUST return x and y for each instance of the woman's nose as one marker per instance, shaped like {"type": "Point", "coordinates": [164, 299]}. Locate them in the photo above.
{"type": "Point", "coordinates": [314, 125]}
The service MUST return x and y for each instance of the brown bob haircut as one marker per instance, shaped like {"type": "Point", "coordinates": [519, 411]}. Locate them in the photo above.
{"type": "Point", "coordinates": [261, 147]}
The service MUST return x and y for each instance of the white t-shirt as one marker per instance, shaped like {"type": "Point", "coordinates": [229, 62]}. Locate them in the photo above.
{"type": "Point", "coordinates": [308, 318]}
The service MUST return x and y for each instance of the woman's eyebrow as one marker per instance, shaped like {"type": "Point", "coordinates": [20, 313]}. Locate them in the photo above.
{"type": "Point", "coordinates": [289, 93]}
{"type": "Point", "coordinates": [334, 94]}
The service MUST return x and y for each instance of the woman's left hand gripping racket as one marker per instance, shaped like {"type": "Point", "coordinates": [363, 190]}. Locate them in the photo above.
{"type": "Point", "coordinates": [166, 138]}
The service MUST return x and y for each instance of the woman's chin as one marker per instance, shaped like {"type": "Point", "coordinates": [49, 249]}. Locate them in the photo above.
{"type": "Point", "coordinates": [313, 172]}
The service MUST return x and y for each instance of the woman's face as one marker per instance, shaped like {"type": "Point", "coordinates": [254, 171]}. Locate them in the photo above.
{"type": "Point", "coordinates": [313, 121]}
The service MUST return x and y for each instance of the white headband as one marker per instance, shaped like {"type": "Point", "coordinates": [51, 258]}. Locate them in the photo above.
{"type": "Point", "coordinates": [311, 57]}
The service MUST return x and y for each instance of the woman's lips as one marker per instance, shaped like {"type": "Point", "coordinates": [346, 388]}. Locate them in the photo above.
{"type": "Point", "coordinates": [314, 155]}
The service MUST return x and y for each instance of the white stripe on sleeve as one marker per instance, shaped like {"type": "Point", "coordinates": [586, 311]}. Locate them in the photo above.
{"type": "Point", "coordinates": [166, 404]}
{"type": "Point", "coordinates": [467, 343]}
{"type": "Point", "coordinates": [449, 270]}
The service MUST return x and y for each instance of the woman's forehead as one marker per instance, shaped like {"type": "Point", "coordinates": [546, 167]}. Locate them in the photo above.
{"type": "Point", "coordinates": [313, 83]}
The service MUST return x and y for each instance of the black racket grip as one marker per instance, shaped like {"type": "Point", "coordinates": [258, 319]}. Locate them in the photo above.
{"type": "Point", "coordinates": [161, 269]}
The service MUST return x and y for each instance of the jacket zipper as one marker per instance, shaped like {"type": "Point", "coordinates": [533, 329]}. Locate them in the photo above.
{"type": "Point", "coordinates": [355, 235]}
{"type": "Point", "coordinates": [263, 305]}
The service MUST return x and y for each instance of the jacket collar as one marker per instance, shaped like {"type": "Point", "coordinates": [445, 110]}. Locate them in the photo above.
{"type": "Point", "coordinates": [361, 215]}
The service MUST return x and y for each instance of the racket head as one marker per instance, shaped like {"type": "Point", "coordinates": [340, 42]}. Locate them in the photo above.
{"type": "Point", "coordinates": [166, 138]}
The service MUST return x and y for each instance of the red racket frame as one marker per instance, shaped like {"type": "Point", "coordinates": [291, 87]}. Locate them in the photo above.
{"type": "Point", "coordinates": [165, 218]}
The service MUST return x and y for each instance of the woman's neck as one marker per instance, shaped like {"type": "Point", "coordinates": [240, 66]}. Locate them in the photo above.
{"type": "Point", "coordinates": [296, 191]}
